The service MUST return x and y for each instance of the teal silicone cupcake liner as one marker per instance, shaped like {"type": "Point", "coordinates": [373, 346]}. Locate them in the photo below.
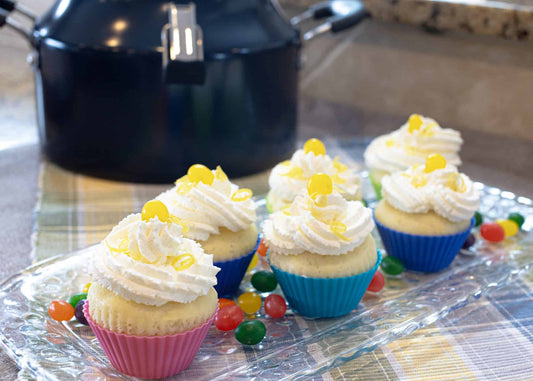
{"type": "Point", "coordinates": [421, 252]}
{"type": "Point", "coordinates": [324, 297]}
{"type": "Point", "coordinates": [232, 271]}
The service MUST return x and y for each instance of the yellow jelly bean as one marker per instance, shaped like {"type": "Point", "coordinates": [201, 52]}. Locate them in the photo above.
{"type": "Point", "coordinates": [338, 228]}
{"type": "Point", "coordinates": [155, 208]}
{"type": "Point", "coordinates": [183, 262]}
{"type": "Point", "coordinates": [220, 174]}
{"type": "Point", "coordinates": [414, 122]}
{"type": "Point", "coordinates": [456, 183]}
{"type": "Point", "coordinates": [253, 263]}
{"type": "Point", "coordinates": [510, 228]}
{"type": "Point", "coordinates": [419, 181]}
{"type": "Point", "coordinates": [340, 167]}
{"type": "Point", "coordinates": [242, 194]}
{"type": "Point", "coordinates": [319, 184]}
{"type": "Point", "coordinates": [249, 302]}
{"type": "Point", "coordinates": [200, 173]}
{"type": "Point", "coordinates": [86, 287]}
{"type": "Point", "coordinates": [315, 146]}
{"type": "Point", "coordinates": [434, 161]}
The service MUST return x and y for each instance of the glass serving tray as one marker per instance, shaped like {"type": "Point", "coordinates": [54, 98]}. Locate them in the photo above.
{"type": "Point", "coordinates": [294, 347]}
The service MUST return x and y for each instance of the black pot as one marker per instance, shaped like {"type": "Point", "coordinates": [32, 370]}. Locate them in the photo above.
{"type": "Point", "coordinates": [138, 90]}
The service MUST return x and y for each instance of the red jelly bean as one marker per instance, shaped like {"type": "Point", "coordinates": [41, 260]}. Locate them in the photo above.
{"type": "Point", "coordinates": [275, 306]}
{"type": "Point", "coordinates": [228, 318]}
{"type": "Point", "coordinates": [60, 310]}
{"type": "Point", "coordinates": [262, 249]}
{"type": "Point", "coordinates": [492, 232]}
{"type": "Point", "coordinates": [377, 283]}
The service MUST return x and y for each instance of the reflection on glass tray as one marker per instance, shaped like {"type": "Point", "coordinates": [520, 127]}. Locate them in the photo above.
{"type": "Point", "coordinates": [295, 347]}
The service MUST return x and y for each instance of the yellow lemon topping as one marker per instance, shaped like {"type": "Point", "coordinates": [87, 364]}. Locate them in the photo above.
{"type": "Point", "coordinates": [155, 208]}
{"type": "Point", "coordinates": [340, 167]}
{"type": "Point", "coordinates": [419, 181]}
{"type": "Point", "coordinates": [200, 173]}
{"type": "Point", "coordinates": [242, 194]}
{"type": "Point", "coordinates": [338, 228]}
{"type": "Point", "coordinates": [414, 122]}
{"type": "Point", "coordinates": [294, 172]}
{"type": "Point", "coordinates": [390, 143]}
{"type": "Point", "coordinates": [315, 146]}
{"type": "Point", "coordinates": [456, 183]}
{"type": "Point", "coordinates": [182, 262]}
{"type": "Point", "coordinates": [434, 161]}
{"type": "Point", "coordinates": [220, 174]}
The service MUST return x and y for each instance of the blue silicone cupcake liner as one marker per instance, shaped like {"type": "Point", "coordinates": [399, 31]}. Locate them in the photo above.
{"type": "Point", "coordinates": [324, 297]}
{"type": "Point", "coordinates": [422, 252]}
{"type": "Point", "coordinates": [231, 273]}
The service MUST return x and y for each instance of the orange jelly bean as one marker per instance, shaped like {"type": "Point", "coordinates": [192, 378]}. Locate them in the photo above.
{"type": "Point", "coordinates": [60, 310]}
{"type": "Point", "coordinates": [262, 249]}
{"type": "Point", "coordinates": [223, 302]}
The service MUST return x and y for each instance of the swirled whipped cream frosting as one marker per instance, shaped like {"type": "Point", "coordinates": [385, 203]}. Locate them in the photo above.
{"type": "Point", "coordinates": [319, 221]}
{"type": "Point", "coordinates": [150, 262]}
{"type": "Point", "coordinates": [206, 201]}
{"type": "Point", "coordinates": [436, 186]}
{"type": "Point", "coordinates": [289, 177]}
{"type": "Point", "coordinates": [411, 144]}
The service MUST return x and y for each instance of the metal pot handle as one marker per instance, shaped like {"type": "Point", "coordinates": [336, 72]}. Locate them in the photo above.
{"type": "Point", "coordinates": [341, 14]}
{"type": "Point", "coordinates": [183, 51]}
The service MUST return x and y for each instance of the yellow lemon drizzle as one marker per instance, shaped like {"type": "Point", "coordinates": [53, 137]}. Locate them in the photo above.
{"type": "Point", "coordinates": [242, 194]}
{"type": "Point", "coordinates": [340, 167]}
{"type": "Point", "coordinates": [315, 146]}
{"type": "Point", "coordinates": [179, 221]}
{"type": "Point", "coordinates": [456, 183]}
{"type": "Point", "coordinates": [183, 262]}
{"type": "Point", "coordinates": [338, 180]}
{"type": "Point", "coordinates": [338, 228]}
{"type": "Point", "coordinates": [419, 181]}
{"type": "Point", "coordinates": [295, 172]}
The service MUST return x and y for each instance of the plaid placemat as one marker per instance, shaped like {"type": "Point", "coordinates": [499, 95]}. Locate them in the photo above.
{"type": "Point", "coordinates": [489, 339]}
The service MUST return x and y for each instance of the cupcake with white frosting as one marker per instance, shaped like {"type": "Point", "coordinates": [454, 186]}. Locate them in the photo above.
{"type": "Point", "coordinates": [220, 217]}
{"type": "Point", "coordinates": [321, 250]}
{"type": "Point", "coordinates": [426, 214]}
{"type": "Point", "coordinates": [410, 145]}
{"type": "Point", "coordinates": [152, 292]}
{"type": "Point", "coordinates": [290, 177]}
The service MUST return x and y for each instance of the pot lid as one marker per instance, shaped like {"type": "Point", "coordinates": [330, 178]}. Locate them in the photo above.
{"type": "Point", "coordinates": [229, 26]}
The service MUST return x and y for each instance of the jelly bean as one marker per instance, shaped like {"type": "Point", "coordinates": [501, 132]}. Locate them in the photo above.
{"type": "Point", "coordinates": [434, 161]}
{"type": "Point", "coordinates": [74, 299]}
{"type": "Point", "coordinates": [319, 184]}
{"type": "Point", "coordinates": [469, 242]}
{"type": "Point", "coordinates": [315, 146]}
{"type": "Point", "coordinates": [275, 306]}
{"type": "Point", "coordinates": [262, 249]}
{"type": "Point", "coordinates": [510, 228]}
{"type": "Point", "coordinates": [86, 287]}
{"type": "Point", "coordinates": [250, 332]}
{"type": "Point", "coordinates": [252, 264]}
{"type": "Point", "coordinates": [377, 283]}
{"type": "Point", "coordinates": [155, 208]}
{"type": "Point", "coordinates": [60, 310]}
{"type": "Point", "coordinates": [78, 312]}
{"type": "Point", "coordinates": [518, 218]}
{"type": "Point", "coordinates": [478, 217]}
{"type": "Point", "coordinates": [392, 266]}
{"type": "Point", "coordinates": [228, 318]}
{"type": "Point", "coordinates": [264, 281]}
{"type": "Point", "coordinates": [414, 123]}
{"type": "Point", "coordinates": [250, 302]}
{"type": "Point", "coordinates": [492, 232]}
{"type": "Point", "coordinates": [200, 173]}
{"type": "Point", "coordinates": [223, 302]}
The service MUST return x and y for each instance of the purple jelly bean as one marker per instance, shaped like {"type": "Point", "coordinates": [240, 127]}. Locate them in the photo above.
{"type": "Point", "coordinates": [78, 312]}
{"type": "Point", "coordinates": [470, 240]}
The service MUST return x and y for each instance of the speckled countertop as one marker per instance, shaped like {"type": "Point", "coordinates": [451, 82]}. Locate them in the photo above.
{"type": "Point", "coordinates": [510, 19]}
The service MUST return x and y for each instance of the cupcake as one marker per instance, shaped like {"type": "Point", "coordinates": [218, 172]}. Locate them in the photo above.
{"type": "Point", "coordinates": [289, 178]}
{"type": "Point", "coordinates": [221, 218]}
{"type": "Point", "coordinates": [426, 214]}
{"type": "Point", "coordinates": [410, 145]}
{"type": "Point", "coordinates": [321, 250]}
{"type": "Point", "coordinates": [152, 299]}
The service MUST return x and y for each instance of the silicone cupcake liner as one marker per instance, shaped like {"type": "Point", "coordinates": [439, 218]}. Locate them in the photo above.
{"type": "Point", "coordinates": [324, 297]}
{"type": "Point", "coordinates": [149, 356]}
{"type": "Point", "coordinates": [268, 206]}
{"type": "Point", "coordinates": [421, 252]}
{"type": "Point", "coordinates": [231, 273]}
{"type": "Point", "coordinates": [376, 185]}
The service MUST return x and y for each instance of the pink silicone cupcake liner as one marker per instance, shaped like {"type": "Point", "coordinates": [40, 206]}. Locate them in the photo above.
{"type": "Point", "coordinates": [149, 356]}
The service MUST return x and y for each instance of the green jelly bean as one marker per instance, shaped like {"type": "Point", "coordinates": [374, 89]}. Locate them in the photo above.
{"type": "Point", "coordinates": [479, 218]}
{"type": "Point", "coordinates": [264, 281]}
{"type": "Point", "coordinates": [518, 218]}
{"type": "Point", "coordinates": [75, 299]}
{"type": "Point", "coordinates": [250, 332]}
{"type": "Point", "coordinates": [392, 266]}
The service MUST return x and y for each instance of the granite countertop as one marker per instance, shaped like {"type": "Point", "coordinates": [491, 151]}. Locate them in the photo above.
{"type": "Point", "coordinates": [510, 19]}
